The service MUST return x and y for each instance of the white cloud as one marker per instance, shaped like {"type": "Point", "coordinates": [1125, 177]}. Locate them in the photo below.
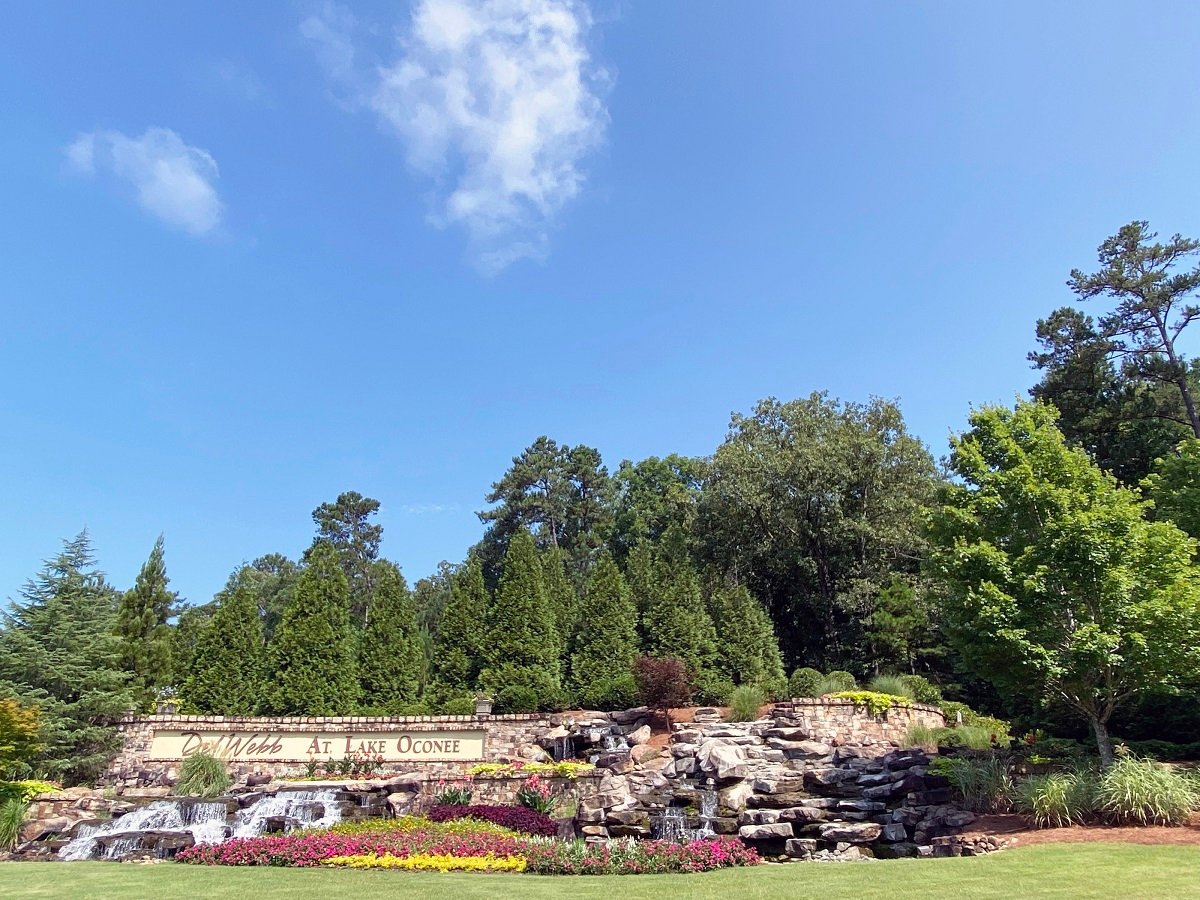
{"type": "Point", "coordinates": [173, 181]}
{"type": "Point", "coordinates": [428, 509]}
{"type": "Point", "coordinates": [496, 101]}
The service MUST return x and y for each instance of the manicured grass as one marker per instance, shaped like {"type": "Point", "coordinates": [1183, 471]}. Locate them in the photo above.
{"type": "Point", "coordinates": [1062, 870]}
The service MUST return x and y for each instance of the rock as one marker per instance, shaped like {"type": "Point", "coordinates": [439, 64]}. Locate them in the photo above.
{"type": "Point", "coordinates": [594, 831]}
{"type": "Point", "coordinates": [533, 753]}
{"type": "Point", "coordinates": [851, 832]}
{"type": "Point", "coordinates": [825, 778]}
{"type": "Point", "coordinates": [686, 766]}
{"type": "Point", "coordinates": [733, 799]}
{"type": "Point", "coordinates": [683, 749]}
{"type": "Point", "coordinates": [399, 802]}
{"type": "Point", "coordinates": [618, 761]}
{"type": "Point", "coordinates": [641, 752]}
{"type": "Point", "coordinates": [629, 716]}
{"type": "Point", "coordinates": [802, 814]}
{"type": "Point", "coordinates": [893, 832]}
{"type": "Point", "coordinates": [959, 818]}
{"type": "Point", "coordinates": [706, 714]}
{"type": "Point", "coordinates": [787, 734]}
{"type": "Point", "coordinates": [779, 830]}
{"type": "Point", "coordinates": [639, 735]}
{"type": "Point", "coordinates": [628, 817]}
{"type": "Point", "coordinates": [556, 733]}
{"type": "Point", "coordinates": [257, 780]}
{"type": "Point", "coordinates": [722, 760]}
{"type": "Point", "coordinates": [800, 848]}
{"type": "Point", "coordinates": [758, 817]}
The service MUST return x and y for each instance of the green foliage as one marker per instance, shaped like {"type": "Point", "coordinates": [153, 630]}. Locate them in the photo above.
{"type": "Point", "coordinates": [675, 622]}
{"type": "Point", "coordinates": [747, 651]}
{"type": "Point", "coordinates": [20, 726]}
{"type": "Point", "coordinates": [875, 703]}
{"type": "Point", "coordinates": [1057, 587]}
{"type": "Point", "coordinates": [142, 627]}
{"type": "Point", "coordinates": [226, 676]}
{"type": "Point", "coordinates": [561, 597]}
{"type": "Point", "coordinates": [1166, 751]}
{"type": "Point", "coordinates": [1174, 487]}
{"type": "Point", "coordinates": [890, 684]}
{"type": "Point", "coordinates": [921, 689]}
{"type": "Point", "coordinates": [390, 659]}
{"type": "Point", "coordinates": [312, 657]}
{"type": "Point", "coordinates": [606, 642]}
{"type": "Point", "coordinates": [900, 629]}
{"type": "Point", "coordinates": [521, 652]}
{"type": "Point", "coordinates": [1055, 800]}
{"type": "Point", "coordinates": [518, 698]}
{"type": "Point", "coordinates": [817, 501]}
{"type": "Point", "coordinates": [652, 495]}
{"type": "Point", "coordinates": [836, 681]}
{"type": "Point", "coordinates": [744, 703]}
{"type": "Point", "coordinates": [59, 651]}
{"type": "Point", "coordinates": [921, 736]}
{"type": "Point", "coordinates": [202, 775]}
{"type": "Point", "coordinates": [805, 682]}
{"type": "Point", "coordinates": [972, 737]}
{"type": "Point", "coordinates": [12, 814]}
{"type": "Point", "coordinates": [462, 632]}
{"type": "Point", "coordinates": [561, 769]}
{"type": "Point", "coordinates": [24, 790]}
{"type": "Point", "coordinates": [457, 706]}
{"type": "Point", "coordinates": [984, 784]}
{"type": "Point", "coordinates": [1143, 792]}
{"type": "Point", "coordinates": [345, 525]}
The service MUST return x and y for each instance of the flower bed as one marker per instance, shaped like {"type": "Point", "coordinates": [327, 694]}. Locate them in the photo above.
{"type": "Point", "coordinates": [636, 857]}
{"type": "Point", "coordinates": [518, 768]}
{"type": "Point", "coordinates": [518, 818]}
{"type": "Point", "coordinates": [426, 862]}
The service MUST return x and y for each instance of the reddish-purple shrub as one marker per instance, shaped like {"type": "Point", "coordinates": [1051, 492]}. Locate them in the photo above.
{"type": "Point", "coordinates": [518, 818]}
{"type": "Point", "coordinates": [663, 682]}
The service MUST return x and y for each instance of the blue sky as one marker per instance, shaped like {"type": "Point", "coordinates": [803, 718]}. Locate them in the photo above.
{"type": "Point", "coordinates": [258, 254]}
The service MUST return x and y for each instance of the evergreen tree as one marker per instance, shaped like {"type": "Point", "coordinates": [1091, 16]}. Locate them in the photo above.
{"type": "Point", "coordinates": [639, 575]}
{"type": "Point", "coordinates": [748, 651]}
{"type": "Point", "coordinates": [143, 629]}
{"type": "Point", "coordinates": [560, 597]}
{"type": "Point", "coordinates": [675, 622]}
{"type": "Point", "coordinates": [458, 648]}
{"type": "Point", "coordinates": [521, 653]}
{"type": "Point", "coordinates": [59, 651]}
{"type": "Point", "coordinates": [606, 643]}
{"type": "Point", "coordinates": [390, 660]}
{"type": "Point", "coordinates": [226, 676]}
{"type": "Point", "coordinates": [346, 526]}
{"type": "Point", "coordinates": [313, 656]}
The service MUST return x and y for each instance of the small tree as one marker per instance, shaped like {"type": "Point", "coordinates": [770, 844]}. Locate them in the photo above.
{"type": "Point", "coordinates": [19, 729]}
{"type": "Point", "coordinates": [390, 660]}
{"type": "Point", "coordinates": [1057, 585]}
{"type": "Point", "coordinates": [663, 683]}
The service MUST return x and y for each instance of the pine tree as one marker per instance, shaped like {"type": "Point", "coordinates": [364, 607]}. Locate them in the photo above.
{"type": "Point", "coordinates": [227, 677]}
{"type": "Point", "coordinates": [640, 575]}
{"type": "Point", "coordinates": [521, 653]}
{"type": "Point", "coordinates": [560, 597]}
{"type": "Point", "coordinates": [390, 658]}
{"type": "Point", "coordinates": [458, 648]}
{"type": "Point", "coordinates": [143, 629]}
{"type": "Point", "coordinates": [59, 651]}
{"type": "Point", "coordinates": [312, 659]}
{"type": "Point", "coordinates": [748, 652]}
{"type": "Point", "coordinates": [675, 621]}
{"type": "Point", "coordinates": [606, 643]}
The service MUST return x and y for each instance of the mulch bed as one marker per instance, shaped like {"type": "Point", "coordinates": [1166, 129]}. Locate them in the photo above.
{"type": "Point", "coordinates": [1012, 826]}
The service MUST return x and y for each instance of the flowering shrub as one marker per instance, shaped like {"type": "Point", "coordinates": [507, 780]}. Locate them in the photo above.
{"type": "Point", "coordinates": [427, 862]}
{"type": "Point", "coordinates": [402, 824]}
{"type": "Point", "coordinates": [536, 795]}
{"type": "Point", "coordinates": [518, 818]}
{"type": "Point", "coordinates": [636, 857]}
{"type": "Point", "coordinates": [312, 848]}
{"type": "Point", "coordinates": [453, 793]}
{"type": "Point", "coordinates": [564, 769]}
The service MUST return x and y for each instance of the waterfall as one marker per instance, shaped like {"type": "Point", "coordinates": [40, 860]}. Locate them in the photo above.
{"type": "Point", "coordinates": [163, 815]}
{"type": "Point", "coordinates": [562, 748]}
{"type": "Point", "coordinates": [612, 742]}
{"type": "Point", "coordinates": [708, 812]}
{"type": "Point", "coordinates": [207, 822]}
{"type": "Point", "coordinates": [671, 825]}
{"type": "Point", "coordinates": [302, 807]}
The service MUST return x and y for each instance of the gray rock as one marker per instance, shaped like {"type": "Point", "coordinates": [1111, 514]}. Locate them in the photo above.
{"type": "Point", "coordinates": [779, 830]}
{"type": "Point", "coordinates": [639, 735]}
{"type": "Point", "coordinates": [893, 832]}
{"type": "Point", "coordinates": [722, 760]}
{"type": "Point", "coordinates": [758, 817]}
{"type": "Point", "coordinates": [851, 832]}
{"type": "Point", "coordinates": [802, 814]}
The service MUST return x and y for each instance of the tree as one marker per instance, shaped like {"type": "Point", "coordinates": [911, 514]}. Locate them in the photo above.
{"type": "Point", "coordinates": [142, 627]}
{"type": "Point", "coordinates": [1174, 487]}
{"type": "Point", "coordinates": [901, 629]}
{"type": "Point", "coordinates": [346, 526]}
{"type": "Point", "coordinates": [560, 597]}
{"type": "Point", "coordinates": [521, 651]}
{"type": "Point", "coordinates": [1123, 419]}
{"type": "Point", "coordinates": [226, 676]}
{"type": "Point", "coordinates": [312, 657]}
{"type": "Point", "coordinates": [462, 634]}
{"type": "Point", "coordinates": [606, 643]}
{"type": "Point", "coordinates": [20, 727]}
{"type": "Point", "coordinates": [59, 652]}
{"type": "Point", "coordinates": [748, 652]}
{"type": "Point", "coordinates": [1057, 586]}
{"type": "Point", "coordinates": [390, 661]}
{"type": "Point", "coordinates": [663, 684]}
{"type": "Point", "coordinates": [1151, 309]}
{"type": "Point", "coordinates": [815, 505]}
{"type": "Point", "coordinates": [675, 622]}
{"type": "Point", "coordinates": [273, 579]}
{"type": "Point", "coordinates": [653, 494]}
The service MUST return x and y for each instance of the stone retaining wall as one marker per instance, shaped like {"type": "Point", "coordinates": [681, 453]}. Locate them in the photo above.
{"type": "Point", "coordinates": [842, 722]}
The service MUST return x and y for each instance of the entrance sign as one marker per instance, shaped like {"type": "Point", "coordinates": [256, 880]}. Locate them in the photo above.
{"type": "Point", "coordinates": [301, 746]}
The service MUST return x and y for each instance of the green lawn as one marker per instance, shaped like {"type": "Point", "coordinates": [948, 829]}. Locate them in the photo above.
{"type": "Point", "coordinates": [1064, 870]}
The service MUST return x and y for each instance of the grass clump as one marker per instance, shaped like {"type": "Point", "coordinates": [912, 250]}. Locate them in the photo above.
{"type": "Point", "coordinates": [745, 702]}
{"type": "Point", "coordinates": [12, 814]}
{"type": "Point", "coordinates": [922, 736]}
{"type": "Point", "coordinates": [1055, 800]}
{"type": "Point", "coordinates": [835, 682]}
{"type": "Point", "coordinates": [983, 785]}
{"type": "Point", "coordinates": [890, 684]}
{"type": "Point", "coordinates": [1145, 792]}
{"type": "Point", "coordinates": [203, 775]}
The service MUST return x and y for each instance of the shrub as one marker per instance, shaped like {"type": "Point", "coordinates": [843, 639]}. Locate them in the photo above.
{"type": "Point", "coordinates": [562, 769]}
{"type": "Point", "coordinates": [744, 703]}
{"type": "Point", "coordinates": [983, 785]}
{"type": "Point", "coordinates": [537, 795]}
{"type": "Point", "coordinates": [972, 737]}
{"type": "Point", "coordinates": [805, 682]}
{"type": "Point", "coordinates": [774, 688]}
{"type": "Point", "coordinates": [922, 689]}
{"type": "Point", "coordinates": [517, 698]}
{"type": "Point", "coordinates": [618, 692]}
{"type": "Point", "coordinates": [662, 682]}
{"type": "Point", "coordinates": [1055, 800]}
{"type": "Point", "coordinates": [636, 857]}
{"type": "Point", "coordinates": [1144, 792]}
{"type": "Point", "coordinates": [518, 818]}
{"type": "Point", "coordinates": [836, 681]}
{"type": "Point", "coordinates": [876, 704]}
{"type": "Point", "coordinates": [993, 726]}
{"type": "Point", "coordinates": [1166, 751]}
{"type": "Point", "coordinates": [12, 814]}
{"type": "Point", "coordinates": [202, 775]}
{"type": "Point", "coordinates": [712, 688]}
{"type": "Point", "coordinates": [890, 684]}
{"type": "Point", "coordinates": [458, 706]}
{"type": "Point", "coordinates": [24, 790]}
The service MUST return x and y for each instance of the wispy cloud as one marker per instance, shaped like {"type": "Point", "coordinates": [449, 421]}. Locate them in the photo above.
{"type": "Point", "coordinates": [498, 103]}
{"type": "Point", "coordinates": [240, 81]}
{"type": "Point", "coordinates": [173, 181]}
{"type": "Point", "coordinates": [428, 509]}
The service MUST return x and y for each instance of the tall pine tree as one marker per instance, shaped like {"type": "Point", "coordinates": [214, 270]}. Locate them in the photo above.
{"type": "Point", "coordinates": [226, 676]}
{"type": "Point", "coordinates": [560, 596]}
{"type": "Point", "coordinates": [312, 659]}
{"type": "Point", "coordinates": [675, 620]}
{"type": "Point", "coordinates": [606, 642]}
{"type": "Point", "coordinates": [59, 651]}
{"type": "Point", "coordinates": [748, 652]}
{"type": "Point", "coordinates": [143, 629]}
{"type": "Point", "coordinates": [522, 649]}
{"type": "Point", "coordinates": [390, 657]}
{"type": "Point", "coordinates": [461, 635]}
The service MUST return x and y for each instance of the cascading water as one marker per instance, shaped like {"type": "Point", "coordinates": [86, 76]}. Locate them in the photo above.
{"type": "Point", "coordinates": [670, 825]}
{"type": "Point", "coordinates": [708, 813]}
{"type": "Point", "coordinates": [562, 748]}
{"type": "Point", "coordinates": [308, 809]}
{"type": "Point", "coordinates": [163, 815]}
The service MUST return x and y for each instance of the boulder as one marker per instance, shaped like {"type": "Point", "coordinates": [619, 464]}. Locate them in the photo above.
{"type": "Point", "coordinates": [893, 833]}
{"type": "Point", "coordinates": [722, 760]}
{"type": "Point", "coordinates": [639, 736]}
{"type": "Point", "coordinates": [851, 832]}
{"type": "Point", "coordinates": [758, 817]}
{"type": "Point", "coordinates": [641, 752]}
{"type": "Point", "coordinates": [802, 814]}
{"type": "Point", "coordinates": [778, 831]}
{"type": "Point", "coordinates": [629, 716]}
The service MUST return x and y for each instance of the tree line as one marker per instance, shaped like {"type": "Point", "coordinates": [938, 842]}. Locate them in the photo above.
{"type": "Point", "coordinates": [1045, 570]}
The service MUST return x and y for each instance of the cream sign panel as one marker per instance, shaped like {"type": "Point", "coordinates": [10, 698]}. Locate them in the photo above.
{"type": "Point", "coordinates": [296, 746]}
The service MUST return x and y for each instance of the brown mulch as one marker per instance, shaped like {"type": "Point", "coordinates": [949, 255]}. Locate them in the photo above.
{"type": "Point", "coordinates": [1012, 826]}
